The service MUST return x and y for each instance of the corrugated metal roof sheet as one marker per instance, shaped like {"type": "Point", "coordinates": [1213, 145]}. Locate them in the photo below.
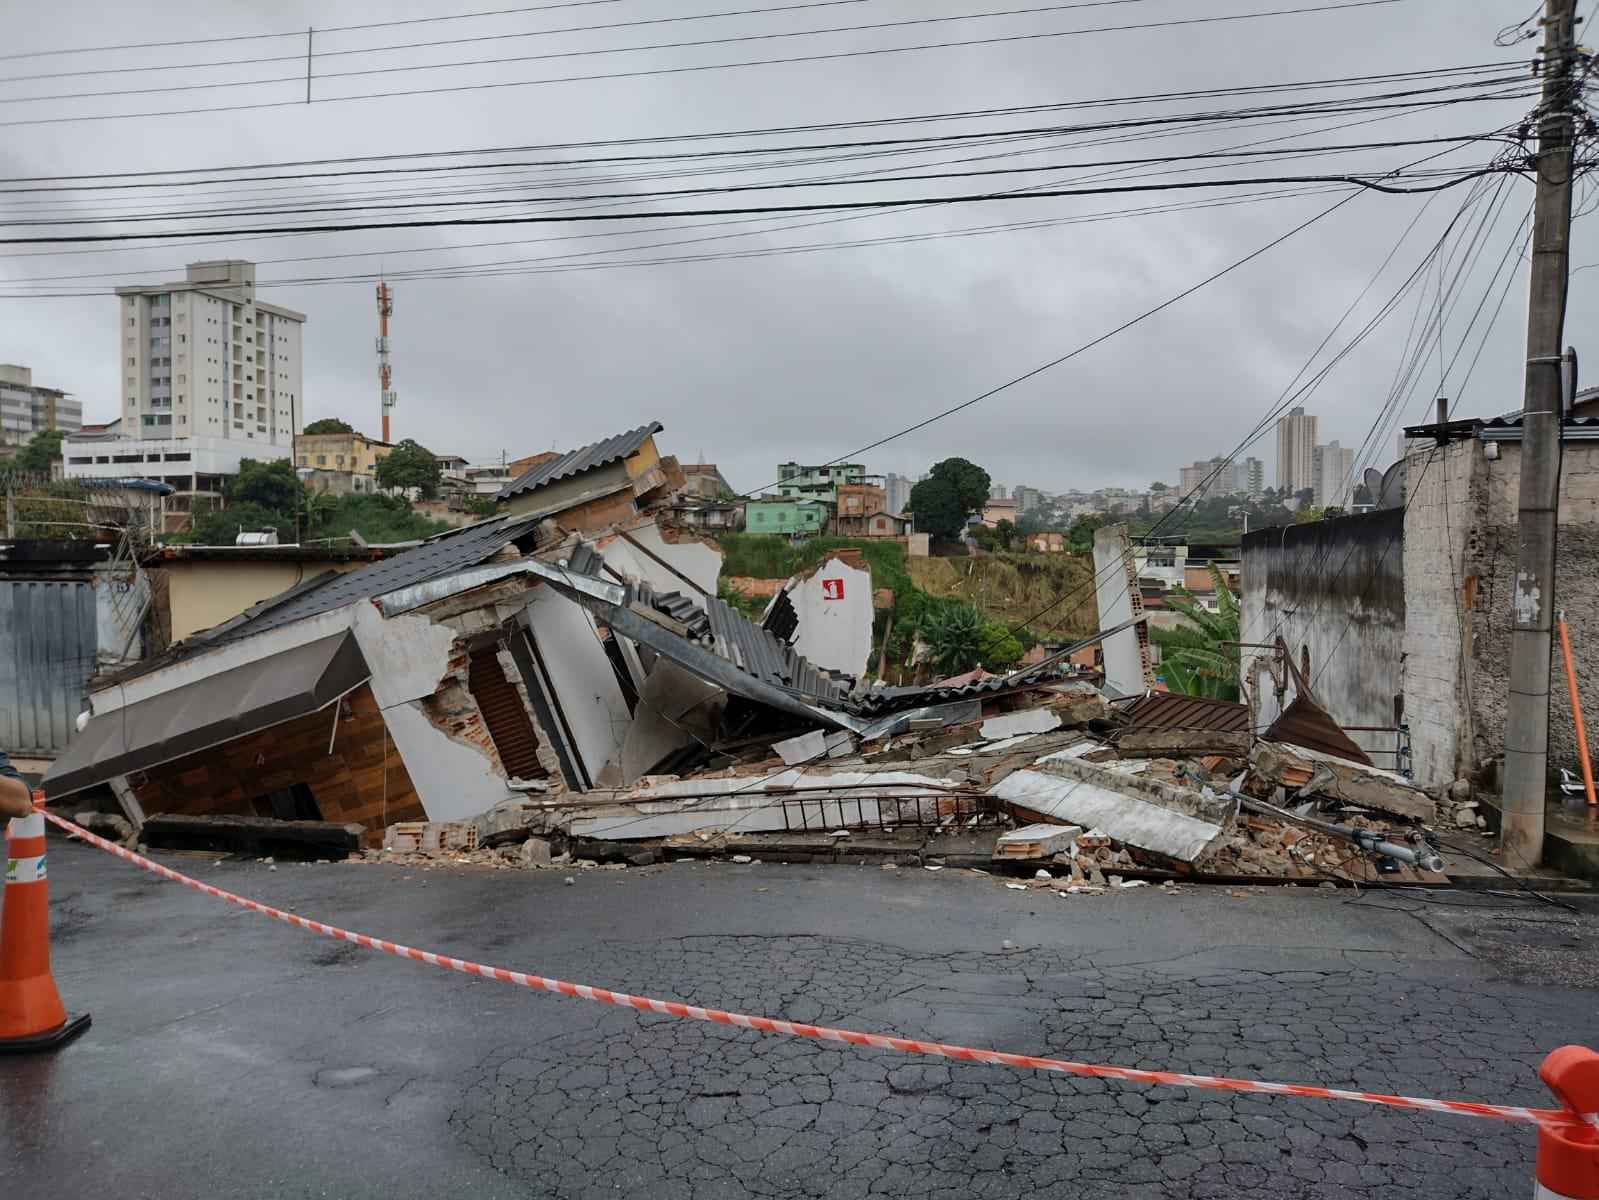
{"type": "Point", "coordinates": [1167, 710]}
{"type": "Point", "coordinates": [711, 623]}
{"type": "Point", "coordinates": [585, 458]}
{"type": "Point", "coordinates": [444, 554]}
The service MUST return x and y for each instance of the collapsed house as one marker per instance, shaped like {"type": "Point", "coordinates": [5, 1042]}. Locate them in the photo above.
{"type": "Point", "coordinates": [490, 663]}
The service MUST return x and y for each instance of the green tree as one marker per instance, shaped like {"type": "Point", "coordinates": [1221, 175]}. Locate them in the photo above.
{"type": "Point", "coordinates": [221, 526]}
{"type": "Point", "coordinates": [1306, 513]}
{"type": "Point", "coordinates": [1081, 533]}
{"type": "Point", "coordinates": [952, 491]}
{"type": "Point", "coordinates": [1159, 488]}
{"type": "Point", "coordinates": [1005, 532]}
{"type": "Point", "coordinates": [999, 647]}
{"type": "Point", "coordinates": [1195, 658]}
{"type": "Point", "coordinates": [953, 633]}
{"type": "Point", "coordinates": [271, 485]}
{"type": "Point", "coordinates": [377, 519]}
{"type": "Point", "coordinates": [410, 465]}
{"type": "Point", "coordinates": [329, 425]}
{"type": "Point", "coordinates": [43, 448]}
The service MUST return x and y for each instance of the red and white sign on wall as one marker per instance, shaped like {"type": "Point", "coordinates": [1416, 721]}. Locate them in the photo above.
{"type": "Point", "coordinates": [832, 589]}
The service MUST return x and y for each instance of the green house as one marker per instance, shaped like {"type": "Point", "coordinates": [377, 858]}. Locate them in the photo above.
{"type": "Point", "coordinates": [785, 515]}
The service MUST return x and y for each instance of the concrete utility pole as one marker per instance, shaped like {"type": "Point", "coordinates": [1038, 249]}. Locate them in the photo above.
{"type": "Point", "coordinates": [1533, 597]}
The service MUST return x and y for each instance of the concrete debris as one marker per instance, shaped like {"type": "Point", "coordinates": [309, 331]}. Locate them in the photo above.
{"type": "Point", "coordinates": [108, 825]}
{"type": "Point", "coordinates": [1017, 887]}
{"type": "Point", "coordinates": [1164, 743]}
{"type": "Point", "coordinates": [802, 749]}
{"type": "Point", "coordinates": [1033, 720]}
{"type": "Point", "coordinates": [1340, 779]}
{"type": "Point", "coordinates": [1176, 823]}
{"type": "Point", "coordinates": [742, 859]}
{"type": "Point", "coordinates": [1036, 841]}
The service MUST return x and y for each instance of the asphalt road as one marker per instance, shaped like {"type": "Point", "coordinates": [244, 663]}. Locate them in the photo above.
{"type": "Point", "coordinates": [233, 1056]}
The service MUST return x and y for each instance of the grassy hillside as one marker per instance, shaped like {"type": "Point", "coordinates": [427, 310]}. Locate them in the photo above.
{"type": "Point", "coordinates": [1012, 587]}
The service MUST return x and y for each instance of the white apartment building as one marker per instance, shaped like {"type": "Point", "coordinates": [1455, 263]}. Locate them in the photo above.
{"type": "Point", "coordinates": [1335, 475]}
{"type": "Point", "coordinates": [26, 409]}
{"type": "Point", "coordinates": [1296, 451]}
{"type": "Point", "coordinates": [202, 357]}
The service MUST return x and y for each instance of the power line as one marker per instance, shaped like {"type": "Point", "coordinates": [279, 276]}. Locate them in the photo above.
{"type": "Point", "coordinates": [699, 68]}
{"type": "Point", "coordinates": [729, 189]}
{"type": "Point", "coordinates": [318, 55]}
{"type": "Point", "coordinates": [255, 37]}
{"type": "Point", "coordinates": [1372, 184]}
{"type": "Point", "coordinates": [860, 123]}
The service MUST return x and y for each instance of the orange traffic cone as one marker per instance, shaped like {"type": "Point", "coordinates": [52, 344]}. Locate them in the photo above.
{"type": "Point", "coordinates": [31, 1016]}
{"type": "Point", "coordinates": [1568, 1157]}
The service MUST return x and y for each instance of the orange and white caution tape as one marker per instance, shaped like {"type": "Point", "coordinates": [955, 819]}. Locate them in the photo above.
{"type": "Point", "coordinates": [1554, 1117]}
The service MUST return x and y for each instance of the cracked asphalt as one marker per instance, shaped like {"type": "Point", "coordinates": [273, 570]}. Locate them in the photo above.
{"type": "Point", "coordinates": [234, 1056]}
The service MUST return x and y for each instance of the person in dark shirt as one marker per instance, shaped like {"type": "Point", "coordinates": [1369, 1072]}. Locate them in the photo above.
{"type": "Point", "coordinates": [16, 799]}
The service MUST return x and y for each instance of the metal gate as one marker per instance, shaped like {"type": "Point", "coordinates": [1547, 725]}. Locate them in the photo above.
{"type": "Point", "coordinates": [48, 644]}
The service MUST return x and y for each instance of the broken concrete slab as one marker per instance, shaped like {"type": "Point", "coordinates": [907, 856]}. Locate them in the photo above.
{"type": "Point", "coordinates": [107, 825]}
{"type": "Point", "coordinates": [1128, 818]}
{"type": "Point", "coordinates": [1182, 743]}
{"type": "Point", "coordinates": [1036, 841]}
{"type": "Point", "coordinates": [1032, 720]}
{"type": "Point", "coordinates": [252, 835]}
{"type": "Point", "coordinates": [1353, 783]}
{"type": "Point", "coordinates": [802, 749]}
{"type": "Point", "coordinates": [830, 799]}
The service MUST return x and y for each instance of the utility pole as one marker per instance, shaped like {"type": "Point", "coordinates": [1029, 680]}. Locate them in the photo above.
{"type": "Point", "coordinates": [1533, 596]}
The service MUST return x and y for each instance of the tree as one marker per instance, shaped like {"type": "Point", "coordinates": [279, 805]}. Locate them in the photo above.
{"type": "Point", "coordinates": [1304, 497]}
{"type": "Point", "coordinates": [952, 491]}
{"type": "Point", "coordinates": [1307, 513]}
{"type": "Point", "coordinates": [1159, 488]}
{"type": "Point", "coordinates": [410, 465]}
{"type": "Point", "coordinates": [1005, 532]}
{"type": "Point", "coordinates": [999, 646]}
{"type": "Point", "coordinates": [1081, 533]}
{"type": "Point", "coordinates": [221, 526]}
{"type": "Point", "coordinates": [1195, 658]}
{"type": "Point", "coordinates": [377, 519]}
{"type": "Point", "coordinates": [329, 425]}
{"type": "Point", "coordinates": [270, 485]}
{"type": "Point", "coordinates": [43, 448]}
{"type": "Point", "coordinates": [953, 633]}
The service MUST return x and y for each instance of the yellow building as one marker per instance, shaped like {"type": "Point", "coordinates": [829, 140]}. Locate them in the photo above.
{"type": "Point", "coordinates": [352, 453]}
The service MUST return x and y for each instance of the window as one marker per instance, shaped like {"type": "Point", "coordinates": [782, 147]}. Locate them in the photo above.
{"type": "Point", "coordinates": [321, 460]}
{"type": "Point", "coordinates": [133, 320]}
{"type": "Point", "coordinates": [133, 362]}
{"type": "Point", "coordinates": [338, 459]}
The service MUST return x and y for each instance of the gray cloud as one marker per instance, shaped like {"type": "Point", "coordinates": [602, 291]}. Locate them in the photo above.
{"type": "Point", "coordinates": [808, 356]}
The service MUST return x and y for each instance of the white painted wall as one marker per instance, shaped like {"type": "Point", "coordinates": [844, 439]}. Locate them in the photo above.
{"type": "Point", "coordinates": [453, 779]}
{"type": "Point", "coordinates": [835, 616]}
{"type": "Point", "coordinates": [1124, 657]}
{"type": "Point", "coordinates": [695, 560]}
{"type": "Point", "coordinates": [581, 676]}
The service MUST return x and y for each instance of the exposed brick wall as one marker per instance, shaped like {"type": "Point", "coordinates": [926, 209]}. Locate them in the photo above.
{"type": "Point", "coordinates": [349, 783]}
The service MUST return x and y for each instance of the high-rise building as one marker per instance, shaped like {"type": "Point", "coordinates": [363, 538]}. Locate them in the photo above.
{"type": "Point", "coordinates": [1027, 498]}
{"type": "Point", "coordinates": [1334, 475]}
{"type": "Point", "coordinates": [897, 489]}
{"type": "Point", "coordinates": [998, 491]}
{"type": "Point", "coordinates": [202, 357]}
{"type": "Point", "coordinates": [1252, 476]}
{"type": "Point", "coordinates": [26, 409]}
{"type": "Point", "coordinates": [1296, 450]}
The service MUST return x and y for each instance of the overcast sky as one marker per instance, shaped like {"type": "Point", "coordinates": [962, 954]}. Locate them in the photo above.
{"type": "Point", "coordinates": [754, 360]}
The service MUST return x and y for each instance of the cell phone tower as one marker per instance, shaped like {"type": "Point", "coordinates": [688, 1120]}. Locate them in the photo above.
{"type": "Point", "coordinates": [385, 377]}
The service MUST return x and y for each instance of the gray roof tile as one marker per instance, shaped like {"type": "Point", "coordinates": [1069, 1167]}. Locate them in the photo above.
{"type": "Point", "coordinates": [585, 458]}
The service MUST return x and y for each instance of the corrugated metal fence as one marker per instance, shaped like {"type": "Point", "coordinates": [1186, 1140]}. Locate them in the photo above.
{"type": "Point", "coordinates": [47, 653]}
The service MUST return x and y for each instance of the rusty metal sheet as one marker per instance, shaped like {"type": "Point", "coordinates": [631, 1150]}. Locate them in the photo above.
{"type": "Point", "coordinates": [1167, 710]}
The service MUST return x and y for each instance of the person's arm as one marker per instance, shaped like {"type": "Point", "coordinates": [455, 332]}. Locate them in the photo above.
{"type": "Point", "coordinates": [16, 799]}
